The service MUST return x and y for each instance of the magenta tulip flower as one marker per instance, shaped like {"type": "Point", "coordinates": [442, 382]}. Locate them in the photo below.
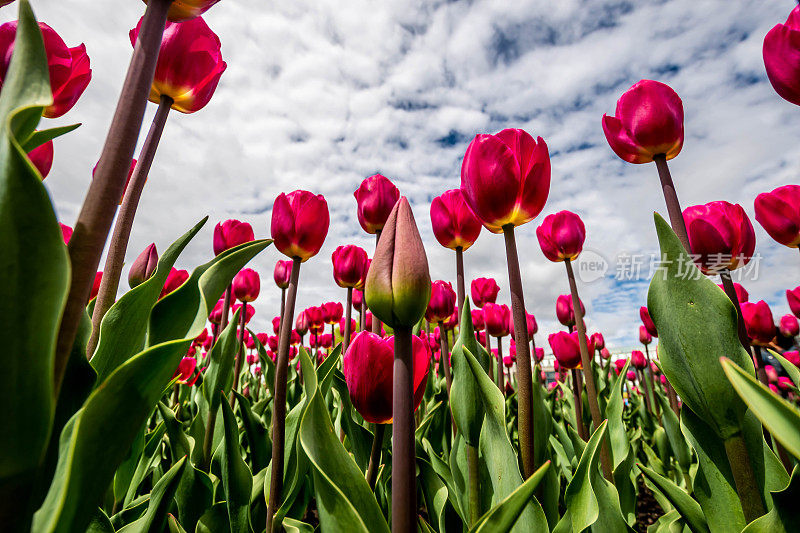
{"type": "Point", "coordinates": [69, 68]}
{"type": "Point", "coordinates": [332, 312]}
{"type": "Point", "coordinates": [605, 354]}
{"type": "Point", "coordinates": [189, 65]}
{"type": "Point", "coordinates": [505, 178]}
{"type": "Point", "coordinates": [368, 368]}
{"type": "Point", "coordinates": [644, 336]}
{"type": "Point", "coordinates": [246, 285]}
{"type": "Point", "coordinates": [532, 326]}
{"type": "Point", "coordinates": [442, 302]}
{"type": "Point", "coordinates": [497, 318]}
{"type": "Point", "coordinates": [781, 53]}
{"type": "Point", "coordinates": [300, 223]}
{"type": "Point", "coordinates": [350, 265]}
{"type": "Point", "coordinates": [282, 273]}
{"type": "Point", "coordinates": [42, 158]}
{"type": "Point", "coordinates": [741, 293]}
{"type": "Point", "coordinates": [375, 197]}
{"type": "Point", "coordinates": [144, 266]}
{"type": "Point", "coordinates": [720, 235]}
{"type": "Point", "coordinates": [175, 279]}
{"type": "Point", "coordinates": [484, 290]}
{"type": "Point", "coordinates": [598, 341]}
{"type": "Point", "coordinates": [793, 297]}
{"type": "Point", "coordinates": [759, 323]}
{"type": "Point", "coordinates": [477, 319]}
{"type": "Point", "coordinates": [230, 234]}
{"type": "Point", "coordinates": [649, 325]}
{"type": "Point", "coordinates": [789, 326]}
{"type": "Point", "coordinates": [454, 224]}
{"type": "Point", "coordinates": [778, 212]}
{"type": "Point", "coordinates": [566, 348]}
{"type": "Point", "coordinates": [564, 310]}
{"type": "Point", "coordinates": [638, 360]}
{"type": "Point", "coordinates": [648, 122]}
{"type": "Point", "coordinates": [619, 364]}
{"type": "Point", "coordinates": [793, 356]}
{"type": "Point", "coordinates": [561, 236]}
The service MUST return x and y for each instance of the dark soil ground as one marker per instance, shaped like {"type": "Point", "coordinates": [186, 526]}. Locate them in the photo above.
{"type": "Point", "coordinates": [648, 511]}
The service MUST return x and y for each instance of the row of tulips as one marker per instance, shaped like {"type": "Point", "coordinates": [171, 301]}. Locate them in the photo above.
{"type": "Point", "coordinates": [162, 410]}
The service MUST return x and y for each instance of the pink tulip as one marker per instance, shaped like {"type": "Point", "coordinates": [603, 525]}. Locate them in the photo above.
{"type": "Point", "coordinates": [598, 341]}
{"type": "Point", "coordinates": [175, 279]}
{"type": "Point", "coordinates": [758, 321]}
{"type": "Point", "coordinates": [230, 234]}
{"type": "Point", "coordinates": [741, 292]}
{"type": "Point", "coordinates": [343, 323]}
{"type": "Point", "coordinates": [561, 236]}
{"type": "Point", "coordinates": [66, 232]}
{"type": "Point", "coordinates": [282, 273]}
{"type": "Point", "coordinates": [789, 326]}
{"type": "Point", "coordinates": [368, 368]}
{"type": "Point", "coordinates": [605, 354]}
{"type": "Point", "coordinates": [477, 320]}
{"type": "Point", "coordinates": [619, 364]}
{"type": "Point", "coordinates": [42, 158]}
{"type": "Point", "coordinates": [316, 319]}
{"type": "Point", "coordinates": [631, 375]}
{"type": "Point", "coordinates": [263, 338]}
{"type": "Point", "coordinates": [638, 360]}
{"type": "Point", "coordinates": [215, 316]}
{"type": "Point", "coordinates": [358, 299]}
{"type": "Point", "coordinates": [300, 223]}
{"type": "Point", "coordinates": [185, 370]}
{"type": "Point", "coordinates": [778, 212]}
{"type": "Point", "coordinates": [785, 383]}
{"type": "Point", "coordinates": [774, 389]}
{"type": "Point", "coordinates": [302, 324]}
{"type": "Point", "coordinates": [538, 354]}
{"type": "Point", "coordinates": [648, 122]}
{"type": "Point", "coordinates": [644, 336]}
{"type": "Point", "coordinates": [772, 374]}
{"type": "Point", "coordinates": [505, 178]}
{"type": "Point", "coordinates": [484, 290]}
{"type": "Point", "coordinates": [497, 319]}
{"type": "Point", "coordinates": [663, 379]}
{"type": "Point", "coordinates": [326, 340]}
{"type": "Point", "coordinates": [189, 64]}
{"type": "Point", "coordinates": [564, 310]}
{"type": "Point", "coordinates": [454, 225]}
{"type": "Point", "coordinates": [442, 302]}
{"type": "Point", "coordinates": [532, 326]}
{"type": "Point", "coordinates": [350, 265]}
{"type": "Point", "coordinates": [649, 325]}
{"type": "Point", "coordinates": [781, 52]}
{"type": "Point", "coordinates": [248, 314]}
{"type": "Point", "coordinates": [294, 339]}
{"type": "Point", "coordinates": [144, 266]}
{"type": "Point", "coordinates": [332, 312]}
{"type": "Point", "coordinates": [375, 197]}
{"type": "Point", "coordinates": [566, 348]}
{"type": "Point", "coordinates": [98, 277]}
{"type": "Point", "coordinates": [246, 285]}
{"type": "Point", "coordinates": [720, 235]}
{"type": "Point", "coordinates": [508, 361]}
{"type": "Point", "coordinates": [793, 356]}
{"type": "Point", "coordinates": [276, 325]}
{"type": "Point", "coordinates": [69, 68]}
{"type": "Point", "coordinates": [793, 297]}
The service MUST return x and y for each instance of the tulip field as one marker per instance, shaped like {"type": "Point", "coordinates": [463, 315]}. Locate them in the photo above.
{"type": "Point", "coordinates": [152, 404]}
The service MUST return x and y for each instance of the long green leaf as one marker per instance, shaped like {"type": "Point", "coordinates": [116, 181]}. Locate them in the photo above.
{"type": "Point", "coordinates": [785, 515]}
{"type": "Point", "coordinates": [155, 518]}
{"type": "Point", "coordinates": [502, 517]}
{"type": "Point", "coordinates": [237, 480]}
{"type": "Point", "coordinates": [686, 506]}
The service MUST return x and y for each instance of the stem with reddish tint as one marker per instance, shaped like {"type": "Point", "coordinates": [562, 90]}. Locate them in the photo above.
{"type": "Point", "coordinates": [500, 377]}
{"type": "Point", "coordinates": [404, 483]}
{"type": "Point", "coordinates": [239, 354]}
{"type": "Point", "coordinates": [576, 393]}
{"type": "Point", "coordinates": [444, 362]}
{"type": "Point", "coordinates": [524, 373]}
{"type": "Point", "coordinates": [112, 270]}
{"type": "Point", "coordinates": [744, 478]}
{"type": "Point", "coordinates": [650, 383]}
{"type": "Point", "coordinates": [741, 329]}
{"type": "Point", "coordinates": [375, 455]}
{"type": "Point", "coordinates": [460, 290]}
{"type": "Point", "coordinates": [105, 190]}
{"type": "Point", "coordinates": [586, 363]}
{"type": "Point", "coordinates": [348, 314]}
{"type": "Point", "coordinates": [279, 402]}
{"type": "Point", "coordinates": [283, 306]}
{"type": "Point", "coordinates": [376, 324]}
{"type": "Point", "coordinates": [671, 198]}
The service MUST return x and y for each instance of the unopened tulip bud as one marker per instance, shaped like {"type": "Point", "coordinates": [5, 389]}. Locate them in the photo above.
{"type": "Point", "coordinates": [538, 354]}
{"type": "Point", "coordinates": [282, 273]}
{"type": "Point", "coordinates": [246, 285]}
{"type": "Point", "coordinates": [720, 235]}
{"type": "Point", "coordinates": [605, 354]}
{"type": "Point", "coordinates": [638, 360]}
{"type": "Point", "coordinates": [649, 325]}
{"type": "Point", "coordinates": [398, 283]}
{"type": "Point", "coordinates": [175, 279]}
{"type": "Point", "coordinates": [644, 336]}
{"type": "Point", "coordinates": [144, 266]}
{"type": "Point", "coordinates": [598, 341]}
{"type": "Point", "coordinates": [42, 158]}
{"type": "Point", "coordinates": [793, 297]}
{"type": "Point", "coordinates": [564, 310]}
{"type": "Point", "coordinates": [789, 326]}
{"type": "Point", "coordinates": [443, 299]}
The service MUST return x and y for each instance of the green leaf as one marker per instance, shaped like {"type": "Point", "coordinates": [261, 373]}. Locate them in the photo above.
{"type": "Point", "coordinates": [591, 500]}
{"type": "Point", "coordinates": [497, 451]}
{"type": "Point", "coordinates": [359, 437]}
{"type": "Point", "coordinates": [237, 479]}
{"type": "Point", "coordinates": [218, 376]}
{"type": "Point", "coordinates": [785, 515]}
{"type": "Point", "coordinates": [35, 272]}
{"type": "Point", "coordinates": [697, 324]}
{"type": "Point", "coordinates": [793, 371]}
{"type": "Point", "coordinates": [124, 325]}
{"type": "Point", "coordinates": [686, 506]}
{"type": "Point", "coordinates": [779, 416]}
{"type": "Point", "coordinates": [160, 500]}
{"type": "Point", "coordinates": [672, 427]}
{"type": "Point", "coordinates": [40, 137]}
{"type": "Point", "coordinates": [296, 526]}
{"type": "Point", "coordinates": [257, 435]}
{"type": "Point", "coordinates": [621, 451]}
{"type": "Point", "coordinates": [434, 492]}
{"type": "Point", "coordinates": [344, 500]}
{"type": "Point", "coordinates": [467, 413]}
{"type": "Point", "coordinates": [502, 517]}
{"type": "Point", "coordinates": [178, 443]}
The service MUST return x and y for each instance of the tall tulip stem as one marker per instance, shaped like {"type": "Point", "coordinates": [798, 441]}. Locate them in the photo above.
{"type": "Point", "coordinates": [404, 484]}
{"type": "Point", "coordinates": [375, 455]}
{"type": "Point", "coordinates": [376, 324]}
{"type": "Point", "coordinates": [650, 383]}
{"type": "Point", "coordinates": [588, 373]}
{"type": "Point", "coordinates": [105, 190]}
{"type": "Point", "coordinates": [500, 377]}
{"type": "Point", "coordinates": [576, 393]}
{"type": "Point", "coordinates": [524, 373]}
{"type": "Point", "coordinates": [279, 402]}
{"type": "Point", "coordinates": [348, 314]}
{"type": "Point", "coordinates": [283, 306]}
{"type": "Point", "coordinates": [460, 289]}
{"type": "Point", "coordinates": [744, 478]}
{"type": "Point", "coordinates": [226, 308]}
{"type": "Point", "coordinates": [237, 368]}
{"type": "Point", "coordinates": [122, 229]}
{"type": "Point", "coordinates": [671, 198]}
{"type": "Point", "coordinates": [444, 351]}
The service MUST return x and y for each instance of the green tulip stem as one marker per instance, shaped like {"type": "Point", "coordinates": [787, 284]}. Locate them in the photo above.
{"type": "Point", "coordinates": [673, 399]}
{"type": "Point", "coordinates": [489, 351]}
{"type": "Point", "coordinates": [500, 377]}
{"type": "Point", "coordinates": [730, 291]}
{"type": "Point", "coordinates": [347, 317]}
{"type": "Point", "coordinates": [524, 372]}
{"type": "Point", "coordinates": [645, 390]}
{"type": "Point", "coordinates": [237, 370]}
{"type": "Point", "coordinates": [279, 402]}
{"type": "Point", "coordinates": [460, 289]}
{"type": "Point", "coordinates": [444, 351]}
{"type": "Point", "coordinates": [101, 201]}
{"type": "Point", "coordinates": [744, 478]}
{"type": "Point", "coordinates": [576, 393]}
{"type": "Point", "coordinates": [375, 455]}
{"type": "Point", "coordinates": [588, 373]}
{"type": "Point", "coordinates": [112, 270]}
{"type": "Point", "coordinates": [361, 311]}
{"type": "Point", "coordinates": [208, 440]}
{"type": "Point", "coordinates": [474, 485]}
{"type": "Point", "coordinates": [671, 198]}
{"type": "Point", "coordinates": [650, 383]}
{"type": "Point", "coordinates": [404, 483]}
{"type": "Point", "coordinates": [226, 307]}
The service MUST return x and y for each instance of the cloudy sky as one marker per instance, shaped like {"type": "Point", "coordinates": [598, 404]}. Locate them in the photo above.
{"type": "Point", "coordinates": [320, 94]}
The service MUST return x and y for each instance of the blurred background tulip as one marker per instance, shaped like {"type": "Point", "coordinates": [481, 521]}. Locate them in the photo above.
{"type": "Point", "coordinates": [644, 336]}
{"type": "Point", "coordinates": [778, 211]}
{"type": "Point", "coordinates": [789, 326]}
{"type": "Point", "coordinates": [144, 266]}
{"type": "Point", "coordinates": [720, 235]}
{"type": "Point", "coordinates": [759, 322]}
{"type": "Point", "coordinates": [283, 269]}
{"type": "Point", "coordinates": [638, 360]}
{"type": "Point", "coordinates": [649, 325]}
{"type": "Point", "coordinates": [442, 302]}
{"type": "Point", "coordinates": [793, 298]}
